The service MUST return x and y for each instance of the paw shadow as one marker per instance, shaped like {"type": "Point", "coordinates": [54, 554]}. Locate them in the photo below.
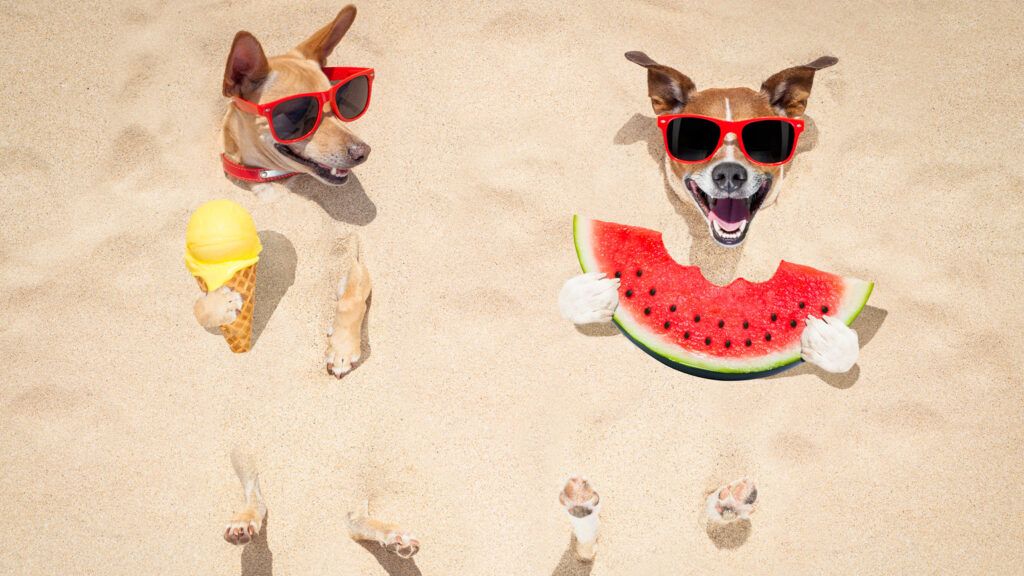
{"type": "Point", "coordinates": [347, 203]}
{"type": "Point", "coordinates": [718, 263]}
{"type": "Point", "coordinates": [729, 536]}
{"type": "Point", "coordinates": [866, 325]}
{"type": "Point", "coordinates": [257, 559]}
{"type": "Point", "coordinates": [392, 564]}
{"type": "Point", "coordinates": [571, 564]}
{"type": "Point", "coordinates": [598, 330]}
{"type": "Point", "coordinates": [275, 274]}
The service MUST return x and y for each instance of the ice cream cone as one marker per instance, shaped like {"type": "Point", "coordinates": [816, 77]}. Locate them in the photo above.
{"type": "Point", "coordinates": [222, 249]}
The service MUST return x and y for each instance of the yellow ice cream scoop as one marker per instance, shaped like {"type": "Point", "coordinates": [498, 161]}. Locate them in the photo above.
{"type": "Point", "coordinates": [220, 240]}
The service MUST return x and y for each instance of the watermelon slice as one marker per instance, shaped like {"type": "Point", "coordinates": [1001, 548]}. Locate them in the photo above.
{"type": "Point", "coordinates": [735, 332]}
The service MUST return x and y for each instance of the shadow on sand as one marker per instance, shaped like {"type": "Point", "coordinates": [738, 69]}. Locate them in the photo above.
{"type": "Point", "coordinates": [729, 536]}
{"type": "Point", "coordinates": [275, 274]}
{"type": "Point", "coordinates": [257, 559]}
{"type": "Point", "coordinates": [571, 564]}
{"type": "Point", "coordinates": [347, 203]}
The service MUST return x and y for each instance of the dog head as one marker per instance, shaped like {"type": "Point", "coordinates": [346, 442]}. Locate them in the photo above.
{"type": "Point", "coordinates": [333, 149]}
{"type": "Point", "coordinates": [727, 182]}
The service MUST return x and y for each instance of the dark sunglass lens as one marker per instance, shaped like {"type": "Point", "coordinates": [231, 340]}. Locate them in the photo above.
{"type": "Point", "coordinates": [768, 141]}
{"type": "Point", "coordinates": [352, 96]}
{"type": "Point", "coordinates": [295, 118]}
{"type": "Point", "coordinates": [692, 139]}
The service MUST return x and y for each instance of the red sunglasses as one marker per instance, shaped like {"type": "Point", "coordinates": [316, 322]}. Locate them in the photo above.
{"type": "Point", "coordinates": [768, 141]}
{"type": "Point", "coordinates": [295, 118]}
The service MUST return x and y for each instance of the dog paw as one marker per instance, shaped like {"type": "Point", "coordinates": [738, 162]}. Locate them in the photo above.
{"type": "Point", "coordinates": [589, 298]}
{"type": "Point", "coordinates": [243, 527]}
{"type": "Point", "coordinates": [829, 344]}
{"type": "Point", "coordinates": [218, 307]}
{"type": "Point", "coordinates": [343, 351]}
{"type": "Point", "coordinates": [401, 544]}
{"type": "Point", "coordinates": [734, 501]}
{"type": "Point", "coordinates": [582, 504]}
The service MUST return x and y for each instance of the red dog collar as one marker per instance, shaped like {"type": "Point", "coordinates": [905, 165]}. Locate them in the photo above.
{"type": "Point", "coordinates": [252, 173]}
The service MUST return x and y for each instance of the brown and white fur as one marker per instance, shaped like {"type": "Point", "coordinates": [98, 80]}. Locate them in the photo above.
{"type": "Point", "coordinates": [332, 151]}
{"type": "Point", "coordinates": [245, 525]}
{"type": "Point", "coordinates": [732, 502]}
{"type": "Point", "coordinates": [725, 177]}
{"type": "Point", "coordinates": [583, 505]}
{"type": "Point", "coordinates": [344, 336]}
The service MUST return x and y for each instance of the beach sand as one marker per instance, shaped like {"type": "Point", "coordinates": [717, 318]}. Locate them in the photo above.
{"type": "Point", "coordinates": [490, 128]}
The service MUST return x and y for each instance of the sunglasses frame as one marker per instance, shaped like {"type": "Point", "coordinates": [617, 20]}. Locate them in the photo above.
{"type": "Point", "coordinates": [342, 75]}
{"type": "Point", "coordinates": [726, 127]}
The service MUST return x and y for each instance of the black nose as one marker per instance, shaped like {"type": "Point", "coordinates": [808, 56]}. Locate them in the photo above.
{"type": "Point", "coordinates": [358, 152]}
{"type": "Point", "coordinates": [729, 176]}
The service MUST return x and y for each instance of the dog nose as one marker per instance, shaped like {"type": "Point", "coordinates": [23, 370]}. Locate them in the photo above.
{"type": "Point", "coordinates": [358, 152]}
{"type": "Point", "coordinates": [729, 176]}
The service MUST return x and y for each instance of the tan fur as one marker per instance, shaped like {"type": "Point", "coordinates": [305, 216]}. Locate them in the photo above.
{"type": "Point", "coordinates": [244, 525]}
{"type": "Point", "coordinates": [392, 537]}
{"type": "Point", "coordinates": [344, 341]}
{"type": "Point", "coordinates": [217, 308]}
{"type": "Point", "coordinates": [247, 138]}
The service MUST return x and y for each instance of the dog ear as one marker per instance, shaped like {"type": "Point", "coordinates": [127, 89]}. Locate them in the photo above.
{"type": "Point", "coordinates": [788, 90]}
{"type": "Point", "coordinates": [320, 45]}
{"type": "Point", "coordinates": [247, 66]}
{"type": "Point", "coordinates": [668, 88]}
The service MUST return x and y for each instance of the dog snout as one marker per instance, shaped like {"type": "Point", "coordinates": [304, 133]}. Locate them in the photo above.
{"type": "Point", "coordinates": [358, 152]}
{"type": "Point", "coordinates": [729, 176]}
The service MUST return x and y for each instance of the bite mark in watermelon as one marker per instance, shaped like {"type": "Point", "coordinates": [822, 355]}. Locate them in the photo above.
{"type": "Point", "coordinates": [738, 331]}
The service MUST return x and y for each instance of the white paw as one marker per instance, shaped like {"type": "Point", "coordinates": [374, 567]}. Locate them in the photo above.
{"type": "Point", "coordinates": [589, 298]}
{"type": "Point", "coordinates": [401, 544]}
{"type": "Point", "coordinates": [734, 501]}
{"type": "Point", "coordinates": [219, 307]}
{"type": "Point", "coordinates": [243, 528]}
{"type": "Point", "coordinates": [829, 344]}
{"type": "Point", "coordinates": [266, 191]}
{"type": "Point", "coordinates": [342, 354]}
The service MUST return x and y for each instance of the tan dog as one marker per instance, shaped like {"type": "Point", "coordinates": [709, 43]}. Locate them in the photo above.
{"type": "Point", "coordinates": [245, 525]}
{"type": "Point", "coordinates": [331, 152]}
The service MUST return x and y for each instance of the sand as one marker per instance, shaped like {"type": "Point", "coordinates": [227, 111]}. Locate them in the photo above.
{"type": "Point", "coordinates": [490, 128]}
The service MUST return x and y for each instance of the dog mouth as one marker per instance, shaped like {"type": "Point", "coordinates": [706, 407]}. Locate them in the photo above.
{"type": "Point", "coordinates": [729, 218]}
{"type": "Point", "coordinates": [329, 174]}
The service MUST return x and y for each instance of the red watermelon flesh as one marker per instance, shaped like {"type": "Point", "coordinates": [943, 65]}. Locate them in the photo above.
{"type": "Point", "coordinates": [738, 331]}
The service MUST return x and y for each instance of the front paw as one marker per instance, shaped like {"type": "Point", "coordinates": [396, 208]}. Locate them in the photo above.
{"type": "Point", "coordinates": [243, 527]}
{"type": "Point", "coordinates": [732, 502]}
{"type": "Point", "coordinates": [589, 298]}
{"type": "Point", "coordinates": [343, 351]}
{"type": "Point", "coordinates": [218, 307]}
{"type": "Point", "coordinates": [829, 344]}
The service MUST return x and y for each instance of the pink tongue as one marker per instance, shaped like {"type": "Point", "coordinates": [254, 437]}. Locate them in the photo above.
{"type": "Point", "coordinates": [730, 212]}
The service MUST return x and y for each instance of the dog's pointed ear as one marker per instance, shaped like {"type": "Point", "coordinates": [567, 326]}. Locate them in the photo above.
{"type": "Point", "coordinates": [788, 90]}
{"type": "Point", "coordinates": [320, 45]}
{"type": "Point", "coordinates": [668, 88]}
{"type": "Point", "coordinates": [247, 66]}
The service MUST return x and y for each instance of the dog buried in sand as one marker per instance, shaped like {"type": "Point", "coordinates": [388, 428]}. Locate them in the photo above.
{"type": "Point", "coordinates": [288, 117]}
{"type": "Point", "coordinates": [726, 149]}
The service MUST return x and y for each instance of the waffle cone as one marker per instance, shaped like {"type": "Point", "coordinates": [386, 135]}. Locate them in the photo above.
{"type": "Point", "coordinates": [238, 334]}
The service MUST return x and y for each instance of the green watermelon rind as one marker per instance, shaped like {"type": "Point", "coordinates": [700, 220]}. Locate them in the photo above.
{"type": "Point", "coordinates": [856, 295]}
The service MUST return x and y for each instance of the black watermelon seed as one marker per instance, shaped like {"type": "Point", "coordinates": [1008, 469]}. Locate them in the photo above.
{"type": "Point", "coordinates": [748, 342]}
{"type": "Point", "coordinates": [768, 337]}
{"type": "Point", "coordinates": [629, 293]}
{"type": "Point", "coordinates": [686, 335]}
{"type": "Point", "coordinates": [746, 324]}
{"type": "Point", "coordinates": [792, 323]}
{"type": "Point", "coordinates": [639, 273]}
{"type": "Point", "coordinates": [721, 323]}
{"type": "Point", "coordinates": [728, 343]}
{"type": "Point", "coordinates": [801, 305]}
{"type": "Point", "coordinates": [618, 274]}
{"type": "Point", "coordinates": [824, 309]}
{"type": "Point", "coordinates": [774, 317]}
{"type": "Point", "coordinates": [672, 308]}
{"type": "Point", "coordinates": [647, 311]}
{"type": "Point", "coordinates": [667, 324]}
{"type": "Point", "coordinates": [708, 340]}
{"type": "Point", "coordinates": [696, 318]}
{"type": "Point", "coordinates": [652, 291]}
